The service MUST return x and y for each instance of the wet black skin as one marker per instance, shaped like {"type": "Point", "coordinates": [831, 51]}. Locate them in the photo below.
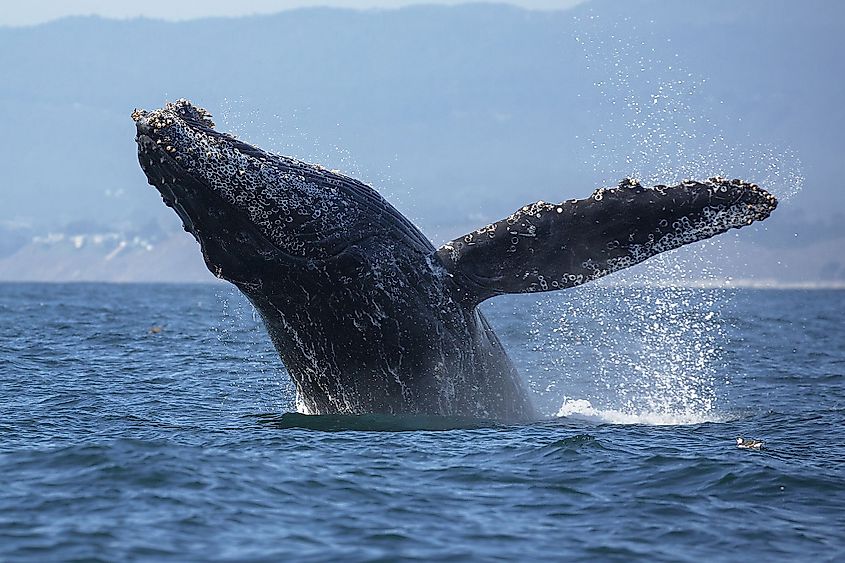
{"type": "Point", "coordinates": [373, 319]}
{"type": "Point", "coordinates": [349, 345]}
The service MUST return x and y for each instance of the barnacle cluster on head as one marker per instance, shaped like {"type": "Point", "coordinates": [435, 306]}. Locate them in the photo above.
{"type": "Point", "coordinates": [278, 194]}
{"type": "Point", "coordinates": [180, 110]}
{"type": "Point", "coordinates": [166, 126]}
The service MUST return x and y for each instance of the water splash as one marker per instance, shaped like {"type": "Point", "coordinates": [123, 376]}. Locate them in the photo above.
{"type": "Point", "coordinates": [581, 409]}
{"type": "Point", "coordinates": [650, 353]}
{"type": "Point", "coordinates": [294, 134]}
{"type": "Point", "coordinates": [240, 331]}
{"type": "Point", "coordinates": [658, 122]}
{"type": "Point", "coordinates": [653, 346]}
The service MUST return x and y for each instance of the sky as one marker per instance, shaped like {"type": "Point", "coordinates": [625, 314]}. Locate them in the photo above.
{"type": "Point", "coordinates": [32, 12]}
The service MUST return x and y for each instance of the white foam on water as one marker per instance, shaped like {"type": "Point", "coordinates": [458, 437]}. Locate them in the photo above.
{"type": "Point", "coordinates": [582, 409]}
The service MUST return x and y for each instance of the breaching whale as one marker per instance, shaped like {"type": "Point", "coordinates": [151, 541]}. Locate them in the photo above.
{"type": "Point", "coordinates": [366, 314]}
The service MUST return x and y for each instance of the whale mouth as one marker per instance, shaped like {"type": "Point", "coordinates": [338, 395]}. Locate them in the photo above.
{"type": "Point", "coordinates": [179, 189]}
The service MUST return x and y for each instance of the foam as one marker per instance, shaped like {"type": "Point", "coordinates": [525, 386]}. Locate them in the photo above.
{"type": "Point", "coordinates": [582, 409]}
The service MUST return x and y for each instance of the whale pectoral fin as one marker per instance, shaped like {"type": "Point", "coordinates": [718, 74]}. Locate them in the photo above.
{"type": "Point", "coordinates": [544, 246]}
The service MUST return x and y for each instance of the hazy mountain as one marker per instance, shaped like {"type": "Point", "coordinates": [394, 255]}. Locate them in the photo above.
{"type": "Point", "coordinates": [457, 114]}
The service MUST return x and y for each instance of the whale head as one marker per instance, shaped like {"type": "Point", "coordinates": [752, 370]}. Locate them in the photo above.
{"type": "Point", "coordinates": [250, 210]}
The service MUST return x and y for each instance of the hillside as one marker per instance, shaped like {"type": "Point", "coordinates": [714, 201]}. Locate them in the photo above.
{"type": "Point", "coordinates": [457, 114]}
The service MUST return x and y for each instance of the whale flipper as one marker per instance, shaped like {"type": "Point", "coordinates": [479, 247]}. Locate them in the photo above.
{"type": "Point", "coordinates": [544, 246]}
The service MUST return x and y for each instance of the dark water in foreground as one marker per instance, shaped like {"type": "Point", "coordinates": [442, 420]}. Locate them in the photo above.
{"type": "Point", "coordinates": [117, 443]}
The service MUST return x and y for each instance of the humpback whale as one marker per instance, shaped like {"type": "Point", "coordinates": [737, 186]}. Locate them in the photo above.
{"type": "Point", "coordinates": [365, 313]}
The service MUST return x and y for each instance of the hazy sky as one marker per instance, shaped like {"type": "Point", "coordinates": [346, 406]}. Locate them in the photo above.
{"type": "Point", "coordinates": [28, 12]}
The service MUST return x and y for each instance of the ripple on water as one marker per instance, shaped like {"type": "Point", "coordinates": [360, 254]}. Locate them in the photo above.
{"type": "Point", "coordinates": [149, 447]}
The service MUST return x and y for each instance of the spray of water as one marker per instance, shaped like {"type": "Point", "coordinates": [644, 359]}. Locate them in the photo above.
{"type": "Point", "coordinates": [657, 122]}
{"type": "Point", "coordinates": [293, 134]}
{"type": "Point", "coordinates": [641, 346]}
{"type": "Point", "coordinates": [256, 371]}
{"type": "Point", "coordinates": [628, 354]}
{"type": "Point", "coordinates": [644, 345]}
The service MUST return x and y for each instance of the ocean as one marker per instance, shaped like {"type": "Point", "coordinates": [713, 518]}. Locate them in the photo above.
{"type": "Point", "coordinates": [153, 422]}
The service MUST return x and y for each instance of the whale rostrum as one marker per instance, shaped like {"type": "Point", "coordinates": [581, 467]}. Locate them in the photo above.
{"type": "Point", "coordinates": [366, 314]}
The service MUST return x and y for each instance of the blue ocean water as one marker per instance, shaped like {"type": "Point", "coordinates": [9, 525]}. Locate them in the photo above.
{"type": "Point", "coordinates": [118, 442]}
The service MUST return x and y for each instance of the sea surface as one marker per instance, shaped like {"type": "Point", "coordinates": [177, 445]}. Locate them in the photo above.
{"type": "Point", "coordinates": [152, 422]}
